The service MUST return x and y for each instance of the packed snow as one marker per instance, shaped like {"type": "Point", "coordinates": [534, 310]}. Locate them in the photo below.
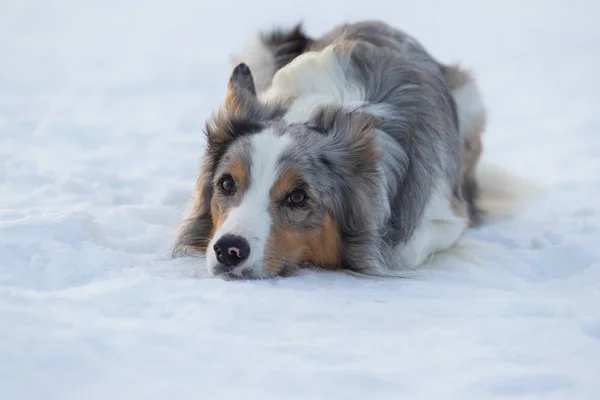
{"type": "Point", "coordinates": [102, 106]}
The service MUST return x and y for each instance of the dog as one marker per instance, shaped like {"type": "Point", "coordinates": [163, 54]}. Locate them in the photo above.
{"type": "Point", "coordinates": [354, 151]}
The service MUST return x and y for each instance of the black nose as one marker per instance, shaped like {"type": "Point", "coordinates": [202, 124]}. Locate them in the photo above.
{"type": "Point", "coordinates": [231, 250]}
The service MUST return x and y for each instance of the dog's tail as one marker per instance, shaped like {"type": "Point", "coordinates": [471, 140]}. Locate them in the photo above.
{"type": "Point", "coordinates": [272, 50]}
{"type": "Point", "coordinates": [502, 194]}
{"type": "Point", "coordinates": [490, 192]}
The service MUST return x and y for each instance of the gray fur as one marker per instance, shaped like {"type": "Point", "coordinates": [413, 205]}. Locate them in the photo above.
{"type": "Point", "coordinates": [410, 117]}
{"type": "Point", "coordinates": [420, 119]}
{"type": "Point", "coordinates": [417, 131]}
{"type": "Point", "coordinates": [342, 170]}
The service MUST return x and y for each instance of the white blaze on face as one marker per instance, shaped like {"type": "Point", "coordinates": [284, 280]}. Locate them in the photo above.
{"type": "Point", "coordinates": [251, 219]}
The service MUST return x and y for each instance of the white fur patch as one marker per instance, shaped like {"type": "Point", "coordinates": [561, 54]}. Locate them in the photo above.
{"type": "Point", "coordinates": [438, 229]}
{"type": "Point", "coordinates": [469, 106]}
{"type": "Point", "coordinates": [251, 219]}
{"type": "Point", "coordinates": [313, 79]}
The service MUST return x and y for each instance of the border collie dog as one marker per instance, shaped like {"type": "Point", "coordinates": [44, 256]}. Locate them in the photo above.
{"type": "Point", "coordinates": [352, 151]}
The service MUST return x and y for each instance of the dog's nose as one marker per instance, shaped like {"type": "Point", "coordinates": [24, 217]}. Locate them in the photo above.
{"type": "Point", "coordinates": [231, 250]}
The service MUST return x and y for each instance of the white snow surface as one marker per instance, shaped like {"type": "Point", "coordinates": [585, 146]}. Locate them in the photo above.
{"type": "Point", "coordinates": [102, 106]}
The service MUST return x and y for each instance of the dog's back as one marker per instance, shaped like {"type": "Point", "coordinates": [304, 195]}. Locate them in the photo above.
{"type": "Point", "coordinates": [275, 49]}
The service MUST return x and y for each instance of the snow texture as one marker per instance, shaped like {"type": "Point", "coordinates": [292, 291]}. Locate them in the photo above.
{"type": "Point", "coordinates": [102, 105]}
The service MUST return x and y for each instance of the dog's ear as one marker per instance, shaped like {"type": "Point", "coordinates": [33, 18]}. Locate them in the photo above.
{"type": "Point", "coordinates": [241, 94]}
{"type": "Point", "coordinates": [350, 153]}
{"type": "Point", "coordinates": [242, 112]}
{"type": "Point", "coordinates": [241, 115]}
{"type": "Point", "coordinates": [241, 80]}
{"type": "Point", "coordinates": [337, 120]}
{"type": "Point", "coordinates": [350, 131]}
{"type": "Point", "coordinates": [195, 232]}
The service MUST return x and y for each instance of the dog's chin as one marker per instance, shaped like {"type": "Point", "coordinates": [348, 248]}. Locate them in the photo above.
{"type": "Point", "coordinates": [285, 270]}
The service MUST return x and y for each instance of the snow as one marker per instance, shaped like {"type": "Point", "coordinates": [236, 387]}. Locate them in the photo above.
{"type": "Point", "coordinates": [101, 110]}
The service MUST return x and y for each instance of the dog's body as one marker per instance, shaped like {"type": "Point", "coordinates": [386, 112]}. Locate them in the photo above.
{"type": "Point", "coordinates": [355, 151]}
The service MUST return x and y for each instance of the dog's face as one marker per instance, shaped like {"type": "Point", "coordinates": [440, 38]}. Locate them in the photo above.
{"type": "Point", "coordinates": [267, 208]}
{"type": "Point", "coordinates": [272, 196]}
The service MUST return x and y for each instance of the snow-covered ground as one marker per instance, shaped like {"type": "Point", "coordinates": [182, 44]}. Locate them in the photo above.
{"type": "Point", "coordinates": [101, 110]}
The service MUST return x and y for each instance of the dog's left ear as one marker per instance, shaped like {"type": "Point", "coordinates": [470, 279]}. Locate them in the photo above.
{"type": "Point", "coordinates": [351, 131]}
{"type": "Point", "coordinates": [351, 153]}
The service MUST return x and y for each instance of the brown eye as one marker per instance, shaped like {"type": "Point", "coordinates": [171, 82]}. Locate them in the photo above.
{"type": "Point", "coordinates": [227, 185]}
{"type": "Point", "coordinates": [297, 198]}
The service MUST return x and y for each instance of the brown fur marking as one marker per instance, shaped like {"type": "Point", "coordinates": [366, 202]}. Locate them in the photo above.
{"type": "Point", "coordinates": [239, 172]}
{"type": "Point", "coordinates": [287, 181]}
{"type": "Point", "coordinates": [237, 169]}
{"type": "Point", "coordinates": [320, 246]}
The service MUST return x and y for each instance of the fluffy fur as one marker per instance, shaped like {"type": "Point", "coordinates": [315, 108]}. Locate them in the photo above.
{"type": "Point", "coordinates": [378, 139]}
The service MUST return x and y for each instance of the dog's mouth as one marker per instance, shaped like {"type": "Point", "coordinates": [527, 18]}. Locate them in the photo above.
{"type": "Point", "coordinates": [285, 270]}
{"type": "Point", "coordinates": [241, 275]}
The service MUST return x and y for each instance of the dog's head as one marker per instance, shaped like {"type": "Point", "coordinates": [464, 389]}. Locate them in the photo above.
{"type": "Point", "coordinates": [273, 196]}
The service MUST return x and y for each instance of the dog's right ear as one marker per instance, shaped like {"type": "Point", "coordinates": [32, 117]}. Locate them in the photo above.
{"type": "Point", "coordinates": [241, 115]}
{"type": "Point", "coordinates": [241, 94]}
{"type": "Point", "coordinates": [195, 232]}
{"type": "Point", "coordinates": [241, 79]}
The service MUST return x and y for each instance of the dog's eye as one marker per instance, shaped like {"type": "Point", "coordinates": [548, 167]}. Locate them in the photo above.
{"type": "Point", "coordinates": [297, 198]}
{"type": "Point", "coordinates": [227, 185]}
